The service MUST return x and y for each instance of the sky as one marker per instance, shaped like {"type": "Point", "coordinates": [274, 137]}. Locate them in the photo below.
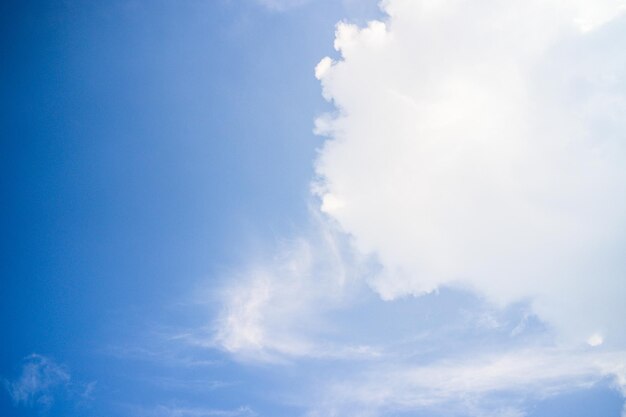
{"type": "Point", "coordinates": [314, 208]}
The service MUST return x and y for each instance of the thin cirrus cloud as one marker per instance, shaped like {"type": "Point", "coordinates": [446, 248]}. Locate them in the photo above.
{"type": "Point", "coordinates": [471, 188]}
{"type": "Point", "coordinates": [181, 411]}
{"type": "Point", "coordinates": [481, 386]}
{"type": "Point", "coordinates": [43, 382]}
{"type": "Point", "coordinates": [38, 381]}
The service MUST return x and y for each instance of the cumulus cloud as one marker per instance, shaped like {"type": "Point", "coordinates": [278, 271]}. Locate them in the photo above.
{"type": "Point", "coordinates": [376, 358]}
{"type": "Point", "coordinates": [482, 145]}
{"type": "Point", "coordinates": [391, 357]}
{"type": "Point", "coordinates": [470, 253]}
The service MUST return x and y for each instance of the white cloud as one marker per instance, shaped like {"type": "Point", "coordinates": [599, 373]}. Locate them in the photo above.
{"type": "Point", "coordinates": [497, 385]}
{"type": "Point", "coordinates": [276, 309]}
{"type": "Point", "coordinates": [595, 340]}
{"type": "Point", "coordinates": [477, 147]}
{"type": "Point", "coordinates": [384, 359]}
{"type": "Point", "coordinates": [322, 67]}
{"type": "Point", "coordinates": [43, 382]}
{"type": "Point", "coordinates": [482, 145]}
{"type": "Point", "coordinates": [38, 381]}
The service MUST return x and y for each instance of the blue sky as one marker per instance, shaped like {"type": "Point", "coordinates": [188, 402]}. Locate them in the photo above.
{"type": "Point", "coordinates": [313, 208]}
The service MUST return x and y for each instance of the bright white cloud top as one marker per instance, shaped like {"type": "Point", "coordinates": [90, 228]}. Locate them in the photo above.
{"type": "Point", "coordinates": [482, 144]}
{"type": "Point", "coordinates": [477, 146]}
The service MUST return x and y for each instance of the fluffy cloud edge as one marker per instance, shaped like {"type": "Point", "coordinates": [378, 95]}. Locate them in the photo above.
{"type": "Point", "coordinates": [506, 233]}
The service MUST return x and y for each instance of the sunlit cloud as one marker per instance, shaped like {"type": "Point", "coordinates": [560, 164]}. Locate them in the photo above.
{"type": "Point", "coordinates": [481, 146]}
{"type": "Point", "coordinates": [468, 245]}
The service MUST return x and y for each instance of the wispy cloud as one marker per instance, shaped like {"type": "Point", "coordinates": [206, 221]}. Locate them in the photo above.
{"type": "Point", "coordinates": [39, 378]}
{"type": "Point", "coordinates": [446, 351]}
{"type": "Point", "coordinates": [181, 411]}
{"type": "Point", "coordinates": [43, 381]}
{"type": "Point", "coordinates": [503, 381]}
{"type": "Point", "coordinates": [164, 349]}
{"type": "Point", "coordinates": [276, 310]}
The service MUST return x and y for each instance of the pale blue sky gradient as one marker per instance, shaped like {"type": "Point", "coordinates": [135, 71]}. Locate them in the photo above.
{"type": "Point", "coordinates": [152, 153]}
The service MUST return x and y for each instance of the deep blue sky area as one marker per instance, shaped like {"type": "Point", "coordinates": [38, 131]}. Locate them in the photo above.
{"type": "Point", "coordinates": [144, 144]}
{"type": "Point", "coordinates": [138, 138]}
{"type": "Point", "coordinates": [147, 149]}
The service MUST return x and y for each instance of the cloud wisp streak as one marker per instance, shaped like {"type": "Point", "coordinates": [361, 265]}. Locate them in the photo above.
{"type": "Point", "coordinates": [494, 384]}
{"type": "Point", "coordinates": [39, 378]}
{"type": "Point", "coordinates": [181, 411]}
{"type": "Point", "coordinates": [43, 382]}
